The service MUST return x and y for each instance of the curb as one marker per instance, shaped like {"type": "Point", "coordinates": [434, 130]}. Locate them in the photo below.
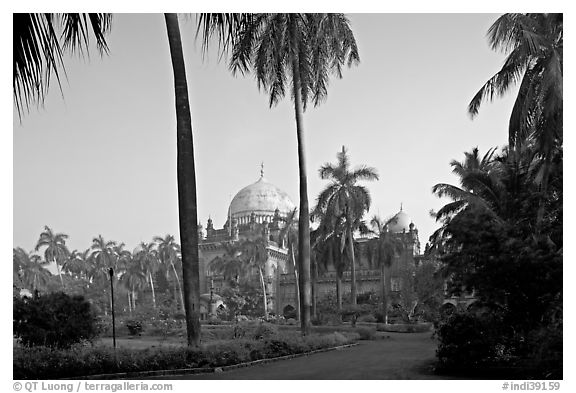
{"type": "Point", "coordinates": [205, 370]}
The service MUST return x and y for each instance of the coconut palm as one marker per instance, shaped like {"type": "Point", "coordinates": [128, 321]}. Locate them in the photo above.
{"type": "Point", "coordinates": [506, 188]}
{"type": "Point", "coordinates": [56, 250]}
{"type": "Point", "coordinates": [534, 43]}
{"type": "Point", "coordinates": [298, 52]}
{"type": "Point", "coordinates": [346, 201]}
{"type": "Point", "coordinates": [40, 41]}
{"type": "Point", "coordinates": [30, 269]}
{"type": "Point", "coordinates": [383, 249]}
{"type": "Point", "coordinates": [147, 258]}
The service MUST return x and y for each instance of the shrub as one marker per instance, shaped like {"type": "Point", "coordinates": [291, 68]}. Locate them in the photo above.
{"type": "Point", "coordinates": [366, 333]}
{"type": "Point", "coordinates": [264, 330]}
{"type": "Point", "coordinates": [53, 320]}
{"type": "Point", "coordinates": [135, 327]}
{"type": "Point", "coordinates": [468, 341]}
{"type": "Point", "coordinates": [79, 361]}
{"type": "Point", "coordinates": [367, 318]}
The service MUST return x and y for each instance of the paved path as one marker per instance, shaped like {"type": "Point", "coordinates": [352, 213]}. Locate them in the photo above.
{"type": "Point", "coordinates": [401, 356]}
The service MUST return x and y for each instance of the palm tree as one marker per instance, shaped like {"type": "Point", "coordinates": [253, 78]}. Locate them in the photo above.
{"type": "Point", "coordinates": [56, 250]}
{"type": "Point", "coordinates": [300, 50]}
{"type": "Point", "coordinates": [39, 49]}
{"type": "Point", "coordinates": [254, 253]}
{"type": "Point", "coordinates": [346, 201]}
{"type": "Point", "coordinates": [147, 258]}
{"type": "Point", "coordinates": [77, 263]}
{"type": "Point", "coordinates": [535, 60]}
{"type": "Point", "coordinates": [229, 264]}
{"type": "Point", "coordinates": [134, 279]}
{"type": "Point", "coordinates": [168, 251]}
{"type": "Point", "coordinates": [383, 249]}
{"type": "Point", "coordinates": [102, 258]}
{"type": "Point", "coordinates": [289, 234]}
{"type": "Point", "coordinates": [30, 269]}
{"type": "Point", "coordinates": [328, 239]}
{"type": "Point", "coordinates": [38, 53]}
{"type": "Point", "coordinates": [504, 186]}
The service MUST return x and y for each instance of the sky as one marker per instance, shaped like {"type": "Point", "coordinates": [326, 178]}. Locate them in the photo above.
{"type": "Point", "coordinates": [100, 156]}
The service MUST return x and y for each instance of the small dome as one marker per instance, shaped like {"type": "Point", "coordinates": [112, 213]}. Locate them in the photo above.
{"type": "Point", "coordinates": [262, 199]}
{"type": "Point", "coordinates": [400, 223]}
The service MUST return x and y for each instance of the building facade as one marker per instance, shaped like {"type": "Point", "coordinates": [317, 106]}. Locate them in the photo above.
{"type": "Point", "coordinates": [258, 211]}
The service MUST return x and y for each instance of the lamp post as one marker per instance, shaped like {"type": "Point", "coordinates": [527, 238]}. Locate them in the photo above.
{"type": "Point", "coordinates": [111, 272]}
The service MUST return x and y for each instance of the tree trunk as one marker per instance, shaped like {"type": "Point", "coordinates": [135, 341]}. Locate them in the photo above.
{"type": "Point", "coordinates": [304, 218]}
{"type": "Point", "coordinates": [352, 268]}
{"type": "Point", "coordinates": [383, 293]}
{"type": "Point", "coordinates": [179, 286]}
{"type": "Point", "coordinates": [314, 290]}
{"type": "Point", "coordinates": [134, 300]}
{"type": "Point", "coordinates": [152, 286]}
{"type": "Point", "coordinates": [387, 292]}
{"type": "Point", "coordinates": [129, 304]}
{"type": "Point", "coordinates": [297, 284]}
{"type": "Point", "coordinates": [186, 174]}
{"type": "Point", "coordinates": [59, 274]}
{"type": "Point", "coordinates": [339, 291]}
{"type": "Point", "coordinates": [264, 294]}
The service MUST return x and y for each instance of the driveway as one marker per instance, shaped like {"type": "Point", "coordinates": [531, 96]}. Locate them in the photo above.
{"type": "Point", "coordinates": [399, 356]}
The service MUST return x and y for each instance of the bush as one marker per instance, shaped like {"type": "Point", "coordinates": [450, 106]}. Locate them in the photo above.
{"type": "Point", "coordinates": [53, 320]}
{"type": "Point", "coordinates": [370, 318]}
{"type": "Point", "coordinates": [135, 327]}
{"type": "Point", "coordinates": [366, 333]}
{"type": "Point", "coordinates": [79, 361]}
{"type": "Point", "coordinates": [468, 341]}
{"type": "Point", "coordinates": [264, 330]}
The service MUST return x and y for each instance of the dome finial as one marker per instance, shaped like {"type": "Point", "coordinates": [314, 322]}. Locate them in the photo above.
{"type": "Point", "coordinates": [262, 169]}
{"type": "Point", "coordinates": [400, 206]}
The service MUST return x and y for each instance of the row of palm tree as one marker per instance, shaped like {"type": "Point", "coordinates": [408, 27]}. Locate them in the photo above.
{"type": "Point", "coordinates": [134, 270]}
{"type": "Point", "coordinates": [298, 51]}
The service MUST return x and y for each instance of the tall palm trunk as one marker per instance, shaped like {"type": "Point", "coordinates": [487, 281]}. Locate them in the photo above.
{"type": "Point", "coordinates": [383, 292]}
{"type": "Point", "coordinates": [152, 286]}
{"type": "Point", "coordinates": [352, 268]}
{"type": "Point", "coordinates": [59, 273]}
{"type": "Point", "coordinates": [304, 219]}
{"type": "Point", "coordinates": [339, 291]}
{"type": "Point", "coordinates": [187, 208]}
{"type": "Point", "coordinates": [179, 286]}
{"type": "Point", "coordinates": [129, 304]}
{"type": "Point", "coordinates": [314, 289]}
{"type": "Point", "coordinates": [387, 280]}
{"type": "Point", "coordinates": [297, 283]}
{"type": "Point", "coordinates": [264, 294]}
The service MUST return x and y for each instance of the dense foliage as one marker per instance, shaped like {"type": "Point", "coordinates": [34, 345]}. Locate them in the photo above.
{"type": "Point", "coordinates": [502, 233]}
{"type": "Point", "coordinates": [53, 320]}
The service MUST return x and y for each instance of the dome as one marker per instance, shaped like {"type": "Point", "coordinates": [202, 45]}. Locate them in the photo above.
{"type": "Point", "coordinates": [262, 199]}
{"type": "Point", "coordinates": [400, 222]}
